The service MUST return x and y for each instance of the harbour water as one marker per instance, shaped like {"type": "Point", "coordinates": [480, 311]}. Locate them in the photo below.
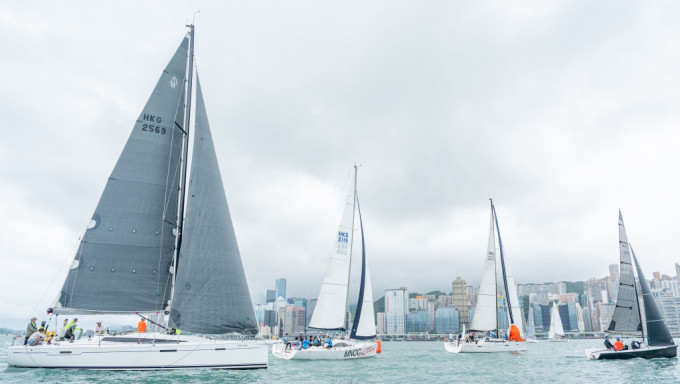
{"type": "Point", "coordinates": [400, 362]}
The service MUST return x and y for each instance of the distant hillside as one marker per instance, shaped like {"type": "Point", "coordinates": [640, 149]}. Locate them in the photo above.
{"type": "Point", "coordinates": [7, 330]}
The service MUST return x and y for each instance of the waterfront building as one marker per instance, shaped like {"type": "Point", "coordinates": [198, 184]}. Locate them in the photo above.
{"type": "Point", "coordinates": [446, 320]}
{"type": "Point", "coordinates": [417, 303]}
{"type": "Point", "coordinates": [567, 297]}
{"type": "Point", "coordinates": [280, 288]}
{"type": "Point", "coordinates": [380, 323]}
{"type": "Point", "coordinates": [271, 296]}
{"type": "Point", "coordinates": [614, 272]}
{"type": "Point", "coordinates": [587, 320]}
{"type": "Point", "coordinates": [550, 288]}
{"type": "Point", "coordinates": [309, 310]}
{"type": "Point", "coordinates": [293, 319]}
{"type": "Point", "coordinates": [445, 301]}
{"type": "Point", "coordinates": [417, 322]}
{"type": "Point", "coordinates": [460, 301]}
{"type": "Point", "coordinates": [545, 314]}
{"type": "Point", "coordinates": [677, 271]}
{"type": "Point", "coordinates": [670, 308]}
{"type": "Point", "coordinates": [396, 309]}
{"type": "Point", "coordinates": [670, 288]}
{"type": "Point", "coordinates": [538, 317]}
{"type": "Point", "coordinates": [606, 312]}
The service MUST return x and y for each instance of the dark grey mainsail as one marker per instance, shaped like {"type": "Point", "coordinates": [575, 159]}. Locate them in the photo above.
{"type": "Point", "coordinates": [626, 318]}
{"type": "Point", "coordinates": [122, 264]}
{"type": "Point", "coordinates": [657, 331]}
{"type": "Point", "coordinates": [211, 292]}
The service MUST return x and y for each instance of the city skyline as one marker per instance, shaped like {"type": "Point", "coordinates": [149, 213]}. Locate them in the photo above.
{"type": "Point", "coordinates": [443, 104]}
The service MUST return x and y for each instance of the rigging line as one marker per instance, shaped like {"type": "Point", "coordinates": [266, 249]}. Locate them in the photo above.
{"type": "Point", "coordinates": [169, 184]}
{"type": "Point", "coordinates": [63, 264]}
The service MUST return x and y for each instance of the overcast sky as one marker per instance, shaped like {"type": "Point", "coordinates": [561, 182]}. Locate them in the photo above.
{"type": "Point", "coordinates": [563, 112]}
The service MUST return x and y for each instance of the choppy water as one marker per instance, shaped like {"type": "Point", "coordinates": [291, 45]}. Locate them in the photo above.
{"type": "Point", "coordinates": [400, 362]}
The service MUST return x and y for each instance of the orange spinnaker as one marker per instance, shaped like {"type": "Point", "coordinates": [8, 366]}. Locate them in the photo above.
{"type": "Point", "coordinates": [514, 334]}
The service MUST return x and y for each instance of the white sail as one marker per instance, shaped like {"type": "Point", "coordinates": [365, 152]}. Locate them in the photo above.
{"type": "Point", "coordinates": [366, 327]}
{"type": "Point", "coordinates": [329, 312]}
{"type": "Point", "coordinates": [513, 302]}
{"type": "Point", "coordinates": [555, 323]}
{"type": "Point", "coordinates": [531, 327]}
{"type": "Point", "coordinates": [484, 318]}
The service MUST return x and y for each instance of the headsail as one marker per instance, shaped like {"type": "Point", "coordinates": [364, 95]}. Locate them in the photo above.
{"type": "Point", "coordinates": [122, 263]}
{"type": "Point", "coordinates": [329, 312]}
{"type": "Point", "coordinates": [531, 327]}
{"type": "Point", "coordinates": [211, 292]}
{"type": "Point", "coordinates": [364, 319]}
{"type": "Point", "coordinates": [485, 317]}
{"type": "Point", "coordinates": [626, 317]}
{"type": "Point", "coordinates": [556, 328]}
{"type": "Point", "coordinates": [657, 331]}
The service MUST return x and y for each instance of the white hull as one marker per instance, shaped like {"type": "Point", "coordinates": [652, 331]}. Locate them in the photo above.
{"type": "Point", "coordinates": [344, 350]}
{"type": "Point", "coordinates": [531, 340]}
{"type": "Point", "coordinates": [483, 346]}
{"type": "Point", "coordinates": [156, 352]}
{"type": "Point", "coordinates": [558, 340]}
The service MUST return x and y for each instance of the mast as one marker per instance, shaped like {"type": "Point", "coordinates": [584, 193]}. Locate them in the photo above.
{"type": "Point", "coordinates": [495, 275]}
{"type": "Point", "coordinates": [185, 160]}
{"type": "Point", "coordinates": [505, 280]}
{"type": "Point", "coordinates": [351, 245]}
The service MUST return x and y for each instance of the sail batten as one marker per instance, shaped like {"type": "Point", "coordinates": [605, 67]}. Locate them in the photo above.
{"type": "Point", "coordinates": [122, 263]}
{"type": "Point", "coordinates": [211, 292]}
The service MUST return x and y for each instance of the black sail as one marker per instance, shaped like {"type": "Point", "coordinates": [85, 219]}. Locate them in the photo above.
{"type": "Point", "coordinates": [211, 293]}
{"type": "Point", "coordinates": [626, 318]}
{"type": "Point", "coordinates": [657, 331]}
{"type": "Point", "coordinates": [122, 263]}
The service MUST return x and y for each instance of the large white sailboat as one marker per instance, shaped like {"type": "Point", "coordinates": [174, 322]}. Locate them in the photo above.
{"type": "Point", "coordinates": [143, 253]}
{"type": "Point", "coordinates": [656, 340]}
{"type": "Point", "coordinates": [485, 319]}
{"type": "Point", "coordinates": [556, 332]}
{"type": "Point", "coordinates": [331, 306]}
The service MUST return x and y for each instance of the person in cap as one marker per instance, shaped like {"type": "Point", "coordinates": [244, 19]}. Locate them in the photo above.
{"type": "Point", "coordinates": [30, 329]}
{"type": "Point", "coordinates": [99, 329]}
{"type": "Point", "coordinates": [618, 345]}
{"type": "Point", "coordinates": [607, 343]}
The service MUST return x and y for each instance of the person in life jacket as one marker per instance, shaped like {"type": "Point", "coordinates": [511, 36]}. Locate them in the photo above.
{"type": "Point", "coordinates": [70, 330]}
{"type": "Point", "coordinates": [329, 342]}
{"type": "Point", "coordinates": [62, 330]}
{"type": "Point", "coordinates": [30, 329]}
{"type": "Point", "coordinates": [618, 345]}
{"type": "Point", "coordinates": [141, 326]}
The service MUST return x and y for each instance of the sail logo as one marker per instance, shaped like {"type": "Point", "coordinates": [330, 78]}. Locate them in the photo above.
{"type": "Point", "coordinates": [353, 353]}
{"type": "Point", "coordinates": [491, 256]}
{"type": "Point", "coordinates": [173, 82]}
{"type": "Point", "coordinates": [343, 237]}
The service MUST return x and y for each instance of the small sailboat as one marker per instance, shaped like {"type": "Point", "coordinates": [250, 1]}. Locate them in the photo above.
{"type": "Point", "coordinates": [486, 312]}
{"type": "Point", "coordinates": [531, 327]}
{"type": "Point", "coordinates": [331, 306]}
{"type": "Point", "coordinates": [627, 319]}
{"type": "Point", "coordinates": [144, 254]}
{"type": "Point", "coordinates": [556, 332]}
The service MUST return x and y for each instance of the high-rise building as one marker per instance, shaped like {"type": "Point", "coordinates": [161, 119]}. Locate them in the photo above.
{"type": "Point", "coordinates": [614, 272]}
{"type": "Point", "coordinates": [309, 310]}
{"type": "Point", "coordinates": [380, 323]}
{"type": "Point", "coordinates": [657, 276]}
{"type": "Point", "coordinates": [670, 308]}
{"type": "Point", "coordinates": [446, 320]}
{"type": "Point", "coordinates": [606, 312]}
{"type": "Point", "coordinates": [293, 320]}
{"type": "Point", "coordinates": [280, 288]}
{"type": "Point", "coordinates": [460, 301]}
{"type": "Point", "coordinates": [271, 296]}
{"type": "Point", "coordinates": [396, 309]}
{"type": "Point", "coordinates": [418, 322]}
{"type": "Point", "coordinates": [677, 271]}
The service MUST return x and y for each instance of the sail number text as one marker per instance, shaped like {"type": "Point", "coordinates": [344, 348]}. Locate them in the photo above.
{"type": "Point", "coordinates": [152, 128]}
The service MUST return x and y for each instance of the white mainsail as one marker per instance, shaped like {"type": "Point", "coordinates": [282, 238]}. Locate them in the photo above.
{"type": "Point", "coordinates": [329, 312]}
{"type": "Point", "coordinates": [485, 317]}
{"type": "Point", "coordinates": [555, 323]}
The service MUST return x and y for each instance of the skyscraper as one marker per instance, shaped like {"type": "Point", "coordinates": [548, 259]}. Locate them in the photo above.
{"type": "Point", "coordinates": [396, 309]}
{"type": "Point", "coordinates": [614, 272]}
{"type": "Point", "coordinates": [460, 301]}
{"type": "Point", "coordinates": [271, 296]}
{"type": "Point", "coordinates": [281, 288]}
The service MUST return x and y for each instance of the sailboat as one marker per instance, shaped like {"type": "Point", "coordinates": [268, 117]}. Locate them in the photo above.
{"type": "Point", "coordinates": [330, 312]}
{"type": "Point", "coordinates": [556, 332]}
{"type": "Point", "coordinates": [531, 327]}
{"type": "Point", "coordinates": [627, 318]}
{"type": "Point", "coordinates": [486, 312]}
{"type": "Point", "coordinates": [144, 254]}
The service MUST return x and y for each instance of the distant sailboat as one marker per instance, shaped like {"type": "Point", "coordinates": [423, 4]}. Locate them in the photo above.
{"type": "Point", "coordinates": [627, 319]}
{"type": "Point", "coordinates": [486, 311]}
{"type": "Point", "coordinates": [143, 253]}
{"type": "Point", "coordinates": [331, 306]}
{"type": "Point", "coordinates": [556, 332]}
{"type": "Point", "coordinates": [531, 327]}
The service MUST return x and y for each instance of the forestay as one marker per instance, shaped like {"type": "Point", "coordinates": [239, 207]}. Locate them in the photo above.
{"type": "Point", "coordinates": [211, 292]}
{"type": "Point", "coordinates": [626, 317]}
{"type": "Point", "coordinates": [123, 261]}
{"type": "Point", "coordinates": [329, 312]}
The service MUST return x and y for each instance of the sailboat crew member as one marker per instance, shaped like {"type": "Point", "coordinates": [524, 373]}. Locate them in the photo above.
{"type": "Point", "coordinates": [30, 329]}
{"type": "Point", "coordinates": [141, 326]}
